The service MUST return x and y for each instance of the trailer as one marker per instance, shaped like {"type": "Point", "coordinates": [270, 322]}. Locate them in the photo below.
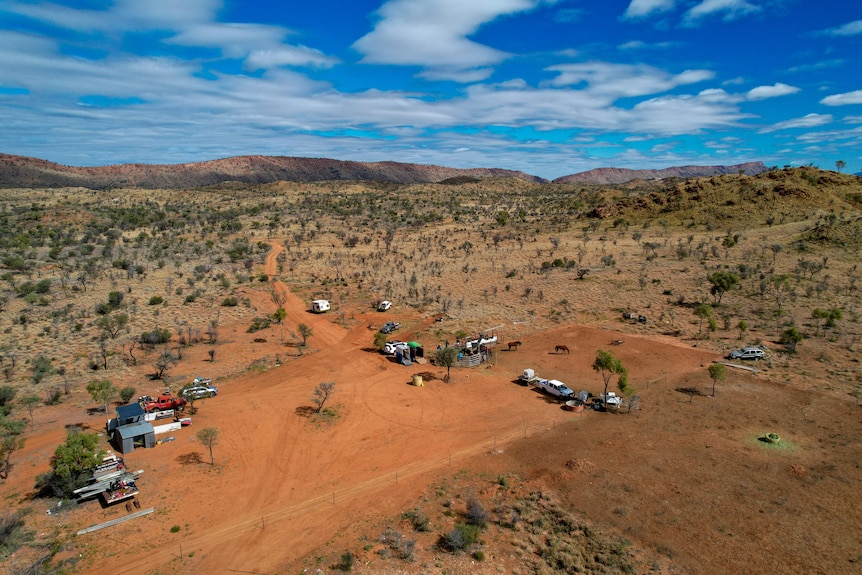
{"type": "Point", "coordinates": [320, 305]}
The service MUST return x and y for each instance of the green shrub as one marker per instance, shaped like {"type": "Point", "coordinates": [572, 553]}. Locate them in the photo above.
{"type": "Point", "coordinates": [347, 560]}
{"type": "Point", "coordinates": [229, 302]}
{"type": "Point", "coordinates": [460, 538]}
{"type": "Point", "coordinates": [175, 529]}
{"type": "Point", "coordinates": [418, 520]}
{"type": "Point", "coordinates": [157, 300]}
{"type": "Point", "coordinates": [259, 323]}
{"type": "Point", "coordinates": [127, 393]}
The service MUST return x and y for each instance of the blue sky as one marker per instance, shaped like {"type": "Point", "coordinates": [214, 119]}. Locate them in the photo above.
{"type": "Point", "coordinates": [550, 87]}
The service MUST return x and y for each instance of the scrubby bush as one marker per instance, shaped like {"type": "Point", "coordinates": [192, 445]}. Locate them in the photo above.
{"type": "Point", "coordinates": [258, 324]}
{"type": "Point", "coordinates": [460, 538]}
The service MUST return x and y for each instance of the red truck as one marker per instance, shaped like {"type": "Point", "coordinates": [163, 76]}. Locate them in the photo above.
{"type": "Point", "coordinates": [164, 402]}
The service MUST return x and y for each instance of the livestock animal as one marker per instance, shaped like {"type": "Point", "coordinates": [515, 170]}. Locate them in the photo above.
{"type": "Point", "coordinates": [514, 345]}
{"type": "Point", "coordinates": [560, 348]}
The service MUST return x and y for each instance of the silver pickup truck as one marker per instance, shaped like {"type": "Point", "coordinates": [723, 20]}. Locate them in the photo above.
{"type": "Point", "coordinates": [556, 388]}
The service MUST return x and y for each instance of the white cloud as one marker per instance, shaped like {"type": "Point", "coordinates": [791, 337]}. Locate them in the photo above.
{"type": "Point", "coordinates": [831, 137]}
{"type": "Point", "coordinates": [854, 97]}
{"type": "Point", "coordinates": [639, 45]}
{"type": "Point", "coordinates": [807, 121]}
{"type": "Point", "coordinates": [730, 9]}
{"type": "Point", "coordinates": [435, 34]}
{"type": "Point", "coordinates": [193, 22]}
{"type": "Point", "coordinates": [671, 115]}
{"type": "Point", "coordinates": [623, 80]}
{"type": "Point", "coordinates": [764, 92]}
{"type": "Point", "coordinates": [643, 8]}
{"type": "Point", "coordinates": [123, 16]}
{"type": "Point", "coordinates": [262, 46]}
{"type": "Point", "coordinates": [853, 119]}
{"type": "Point", "coordinates": [849, 29]}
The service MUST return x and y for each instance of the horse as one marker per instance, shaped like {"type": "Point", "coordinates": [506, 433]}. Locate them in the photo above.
{"type": "Point", "coordinates": [514, 345]}
{"type": "Point", "coordinates": [560, 348]}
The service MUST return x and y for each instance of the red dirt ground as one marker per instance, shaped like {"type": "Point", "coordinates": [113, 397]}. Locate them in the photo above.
{"type": "Point", "coordinates": [684, 476]}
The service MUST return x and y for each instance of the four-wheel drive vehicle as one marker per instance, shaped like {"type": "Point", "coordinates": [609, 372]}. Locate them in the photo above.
{"type": "Point", "coordinates": [199, 391]}
{"type": "Point", "coordinates": [389, 327]}
{"type": "Point", "coordinates": [556, 388]}
{"type": "Point", "coordinates": [164, 402]}
{"type": "Point", "coordinates": [747, 353]}
{"type": "Point", "coordinates": [384, 305]}
{"type": "Point", "coordinates": [390, 347]}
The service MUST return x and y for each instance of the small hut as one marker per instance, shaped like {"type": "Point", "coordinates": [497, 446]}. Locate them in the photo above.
{"type": "Point", "coordinates": [129, 428]}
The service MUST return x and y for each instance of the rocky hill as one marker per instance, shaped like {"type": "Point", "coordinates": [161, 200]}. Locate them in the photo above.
{"type": "Point", "coordinates": [24, 172]}
{"type": "Point", "coordinates": [621, 175]}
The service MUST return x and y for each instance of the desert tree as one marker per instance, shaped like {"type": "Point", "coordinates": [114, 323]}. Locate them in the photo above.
{"type": "Point", "coordinates": [380, 340]}
{"type": "Point", "coordinates": [722, 282]}
{"type": "Point", "coordinates": [322, 393]}
{"type": "Point", "coordinates": [791, 337]}
{"type": "Point", "coordinates": [102, 391]}
{"type": "Point", "coordinates": [127, 393]}
{"type": "Point", "coordinates": [305, 332]}
{"type": "Point", "coordinates": [212, 353]}
{"type": "Point", "coordinates": [7, 395]}
{"type": "Point", "coordinates": [31, 401]}
{"type": "Point", "coordinates": [829, 316]}
{"type": "Point", "coordinates": [11, 440]}
{"type": "Point", "coordinates": [742, 326]}
{"type": "Point", "coordinates": [779, 288]}
{"type": "Point", "coordinates": [840, 165]}
{"type": "Point", "coordinates": [718, 373]}
{"type": "Point", "coordinates": [607, 365]}
{"type": "Point", "coordinates": [42, 368]}
{"type": "Point", "coordinates": [447, 356]}
{"type": "Point", "coordinates": [71, 464]}
{"type": "Point", "coordinates": [279, 315]}
{"type": "Point", "coordinates": [704, 312]}
{"type": "Point", "coordinates": [131, 351]}
{"type": "Point", "coordinates": [164, 362]}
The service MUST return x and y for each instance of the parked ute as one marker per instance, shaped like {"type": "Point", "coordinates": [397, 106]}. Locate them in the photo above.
{"type": "Point", "coordinates": [199, 391]}
{"type": "Point", "coordinates": [747, 353]}
{"type": "Point", "coordinates": [556, 388]}
{"type": "Point", "coordinates": [389, 327]}
{"type": "Point", "coordinates": [165, 402]}
{"type": "Point", "coordinates": [384, 305]}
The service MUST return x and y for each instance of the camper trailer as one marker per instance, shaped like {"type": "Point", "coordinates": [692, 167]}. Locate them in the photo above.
{"type": "Point", "coordinates": [320, 305]}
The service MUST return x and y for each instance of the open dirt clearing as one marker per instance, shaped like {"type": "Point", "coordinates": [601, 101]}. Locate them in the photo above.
{"type": "Point", "coordinates": [685, 477]}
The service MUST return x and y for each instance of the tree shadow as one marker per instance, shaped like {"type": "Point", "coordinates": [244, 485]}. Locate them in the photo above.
{"type": "Point", "coordinates": [691, 392]}
{"type": "Point", "coordinates": [305, 411]}
{"type": "Point", "coordinates": [192, 458]}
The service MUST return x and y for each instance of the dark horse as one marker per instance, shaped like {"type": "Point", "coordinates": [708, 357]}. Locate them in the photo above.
{"type": "Point", "coordinates": [560, 348]}
{"type": "Point", "coordinates": [514, 345]}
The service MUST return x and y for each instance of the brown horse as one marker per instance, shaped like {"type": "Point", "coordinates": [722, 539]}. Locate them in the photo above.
{"type": "Point", "coordinates": [560, 348]}
{"type": "Point", "coordinates": [514, 345]}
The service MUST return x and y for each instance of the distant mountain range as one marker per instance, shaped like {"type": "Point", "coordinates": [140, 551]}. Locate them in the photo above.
{"type": "Point", "coordinates": [621, 175]}
{"type": "Point", "coordinates": [25, 172]}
